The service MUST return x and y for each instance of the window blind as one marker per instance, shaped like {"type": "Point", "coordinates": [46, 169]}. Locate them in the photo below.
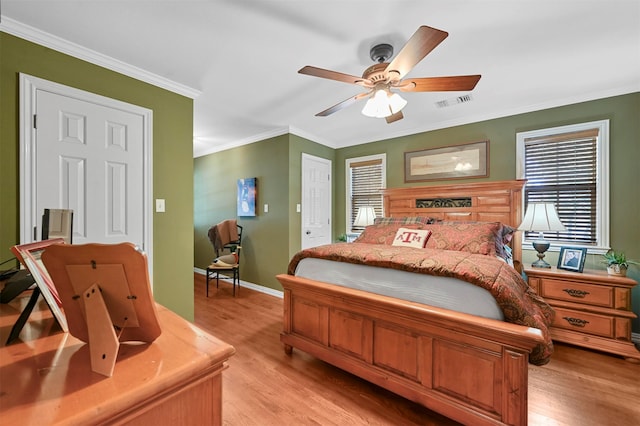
{"type": "Point", "coordinates": [562, 169]}
{"type": "Point", "coordinates": [366, 182]}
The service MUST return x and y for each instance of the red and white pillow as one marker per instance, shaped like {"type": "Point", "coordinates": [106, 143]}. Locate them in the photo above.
{"type": "Point", "coordinates": [408, 237]}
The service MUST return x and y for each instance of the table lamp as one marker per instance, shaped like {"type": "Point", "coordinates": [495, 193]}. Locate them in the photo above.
{"type": "Point", "coordinates": [541, 217]}
{"type": "Point", "coordinates": [365, 216]}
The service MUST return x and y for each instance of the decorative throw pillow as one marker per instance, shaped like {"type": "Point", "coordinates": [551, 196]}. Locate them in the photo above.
{"type": "Point", "coordinates": [473, 237]}
{"type": "Point", "coordinates": [407, 237]}
{"type": "Point", "coordinates": [383, 234]}
{"type": "Point", "coordinates": [503, 237]}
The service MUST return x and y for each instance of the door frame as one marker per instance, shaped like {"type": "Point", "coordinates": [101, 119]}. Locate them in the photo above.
{"type": "Point", "coordinates": [29, 85]}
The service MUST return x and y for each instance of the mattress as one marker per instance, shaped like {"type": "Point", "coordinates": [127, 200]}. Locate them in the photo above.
{"type": "Point", "coordinates": [443, 292]}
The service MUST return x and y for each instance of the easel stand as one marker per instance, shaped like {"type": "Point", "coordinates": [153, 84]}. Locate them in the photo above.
{"type": "Point", "coordinates": [24, 315]}
{"type": "Point", "coordinates": [106, 303]}
{"type": "Point", "coordinates": [103, 342]}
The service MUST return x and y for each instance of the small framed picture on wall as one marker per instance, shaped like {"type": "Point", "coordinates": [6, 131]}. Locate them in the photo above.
{"type": "Point", "coordinates": [247, 191]}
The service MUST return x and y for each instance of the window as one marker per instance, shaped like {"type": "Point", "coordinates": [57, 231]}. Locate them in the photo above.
{"type": "Point", "coordinates": [569, 166]}
{"type": "Point", "coordinates": [365, 177]}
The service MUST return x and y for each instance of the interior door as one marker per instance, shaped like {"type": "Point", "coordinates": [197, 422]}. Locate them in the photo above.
{"type": "Point", "coordinates": [89, 154]}
{"type": "Point", "coordinates": [316, 201]}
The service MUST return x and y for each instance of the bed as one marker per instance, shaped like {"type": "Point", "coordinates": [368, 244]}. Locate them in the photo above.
{"type": "Point", "coordinates": [467, 366]}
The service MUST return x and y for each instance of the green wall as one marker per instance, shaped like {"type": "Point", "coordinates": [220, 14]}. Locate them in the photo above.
{"type": "Point", "coordinates": [622, 111]}
{"type": "Point", "coordinates": [269, 239]}
{"type": "Point", "coordinates": [264, 240]}
{"type": "Point", "coordinates": [172, 157]}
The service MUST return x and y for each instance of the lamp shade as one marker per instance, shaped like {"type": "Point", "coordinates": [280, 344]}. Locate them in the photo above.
{"type": "Point", "coordinates": [541, 217]}
{"type": "Point", "coordinates": [383, 104]}
{"type": "Point", "coordinates": [365, 216]}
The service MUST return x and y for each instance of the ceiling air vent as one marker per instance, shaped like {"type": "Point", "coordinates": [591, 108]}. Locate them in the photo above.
{"type": "Point", "coordinates": [454, 101]}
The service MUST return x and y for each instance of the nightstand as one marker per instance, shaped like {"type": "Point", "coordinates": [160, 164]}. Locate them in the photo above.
{"type": "Point", "coordinates": [593, 309]}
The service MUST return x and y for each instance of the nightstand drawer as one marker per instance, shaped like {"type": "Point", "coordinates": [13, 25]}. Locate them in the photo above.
{"type": "Point", "coordinates": [584, 322]}
{"type": "Point", "coordinates": [571, 291]}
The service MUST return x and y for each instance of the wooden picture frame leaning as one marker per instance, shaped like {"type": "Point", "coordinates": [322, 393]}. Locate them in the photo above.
{"type": "Point", "coordinates": [29, 255]}
{"type": "Point", "coordinates": [106, 292]}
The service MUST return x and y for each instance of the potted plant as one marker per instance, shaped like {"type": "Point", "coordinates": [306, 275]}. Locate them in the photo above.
{"type": "Point", "coordinates": [617, 263]}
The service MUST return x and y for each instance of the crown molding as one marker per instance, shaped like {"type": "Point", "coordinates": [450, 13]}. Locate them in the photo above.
{"type": "Point", "coordinates": [312, 137]}
{"type": "Point", "coordinates": [234, 144]}
{"type": "Point", "coordinates": [18, 29]}
{"type": "Point", "coordinates": [200, 152]}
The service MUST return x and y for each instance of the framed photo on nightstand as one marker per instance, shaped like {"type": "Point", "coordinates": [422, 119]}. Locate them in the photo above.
{"type": "Point", "coordinates": [572, 258]}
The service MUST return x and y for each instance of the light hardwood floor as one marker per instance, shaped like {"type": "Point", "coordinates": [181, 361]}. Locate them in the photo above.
{"type": "Point", "coordinates": [264, 386]}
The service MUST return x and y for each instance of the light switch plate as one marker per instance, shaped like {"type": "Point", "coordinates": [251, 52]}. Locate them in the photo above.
{"type": "Point", "coordinates": [159, 205]}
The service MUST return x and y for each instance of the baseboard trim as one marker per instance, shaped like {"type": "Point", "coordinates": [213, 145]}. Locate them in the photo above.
{"type": "Point", "coordinates": [246, 284]}
{"type": "Point", "coordinates": [635, 338]}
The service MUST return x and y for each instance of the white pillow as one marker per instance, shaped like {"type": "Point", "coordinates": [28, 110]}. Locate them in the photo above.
{"type": "Point", "coordinates": [411, 237]}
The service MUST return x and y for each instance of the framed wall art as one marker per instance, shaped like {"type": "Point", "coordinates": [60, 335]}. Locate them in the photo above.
{"type": "Point", "coordinates": [469, 160]}
{"type": "Point", "coordinates": [247, 190]}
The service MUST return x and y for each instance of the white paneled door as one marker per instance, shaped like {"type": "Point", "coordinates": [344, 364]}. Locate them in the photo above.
{"type": "Point", "coordinates": [90, 154]}
{"type": "Point", "coordinates": [316, 201]}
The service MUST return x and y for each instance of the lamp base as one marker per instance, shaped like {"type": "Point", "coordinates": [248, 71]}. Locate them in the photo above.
{"type": "Point", "coordinates": [540, 263]}
{"type": "Point", "coordinates": [541, 247]}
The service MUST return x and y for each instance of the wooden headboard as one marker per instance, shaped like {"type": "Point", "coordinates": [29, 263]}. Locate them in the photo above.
{"type": "Point", "coordinates": [498, 201]}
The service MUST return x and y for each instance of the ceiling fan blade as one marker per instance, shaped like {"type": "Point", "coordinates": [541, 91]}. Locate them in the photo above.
{"type": "Point", "coordinates": [439, 84]}
{"type": "Point", "coordinates": [423, 41]}
{"type": "Point", "coordinates": [394, 117]}
{"type": "Point", "coordinates": [347, 102]}
{"type": "Point", "coordinates": [334, 75]}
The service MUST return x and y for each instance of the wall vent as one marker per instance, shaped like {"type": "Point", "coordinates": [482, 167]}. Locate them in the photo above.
{"type": "Point", "coordinates": [454, 101]}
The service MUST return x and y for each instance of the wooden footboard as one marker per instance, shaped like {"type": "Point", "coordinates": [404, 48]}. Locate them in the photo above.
{"type": "Point", "coordinates": [468, 368]}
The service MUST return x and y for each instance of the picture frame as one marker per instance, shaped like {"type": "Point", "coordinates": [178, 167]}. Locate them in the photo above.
{"type": "Point", "coordinates": [104, 288]}
{"type": "Point", "coordinates": [572, 258]}
{"type": "Point", "coordinates": [247, 194]}
{"type": "Point", "coordinates": [29, 256]}
{"type": "Point", "coordinates": [58, 223]}
{"type": "Point", "coordinates": [469, 160]}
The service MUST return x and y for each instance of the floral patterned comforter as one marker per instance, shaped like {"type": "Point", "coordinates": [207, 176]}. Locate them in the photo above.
{"type": "Point", "coordinates": [519, 303]}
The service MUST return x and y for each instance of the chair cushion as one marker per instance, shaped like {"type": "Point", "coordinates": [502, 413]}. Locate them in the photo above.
{"type": "Point", "coordinates": [226, 261]}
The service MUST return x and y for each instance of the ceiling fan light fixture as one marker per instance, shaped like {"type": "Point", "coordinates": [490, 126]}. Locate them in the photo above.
{"type": "Point", "coordinates": [397, 102]}
{"type": "Point", "coordinates": [387, 73]}
{"type": "Point", "coordinates": [383, 104]}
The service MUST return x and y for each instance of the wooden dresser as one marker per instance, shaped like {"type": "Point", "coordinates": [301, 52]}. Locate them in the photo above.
{"type": "Point", "coordinates": [46, 377]}
{"type": "Point", "coordinates": [593, 309]}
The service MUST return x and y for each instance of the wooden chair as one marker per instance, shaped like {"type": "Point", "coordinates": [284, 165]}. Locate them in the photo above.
{"type": "Point", "coordinates": [228, 269]}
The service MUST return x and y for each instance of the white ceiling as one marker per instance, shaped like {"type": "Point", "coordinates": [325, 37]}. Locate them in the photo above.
{"type": "Point", "coordinates": [239, 58]}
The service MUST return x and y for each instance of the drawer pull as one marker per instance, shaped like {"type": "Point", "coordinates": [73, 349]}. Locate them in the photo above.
{"type": "Point", "coordinates": [575, 293]}
{"type": "Point", "coordinates": [576, 321]}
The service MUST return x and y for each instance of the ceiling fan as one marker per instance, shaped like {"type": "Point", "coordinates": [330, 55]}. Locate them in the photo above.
{"type": "Point", "coordinates": [384, 77]}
